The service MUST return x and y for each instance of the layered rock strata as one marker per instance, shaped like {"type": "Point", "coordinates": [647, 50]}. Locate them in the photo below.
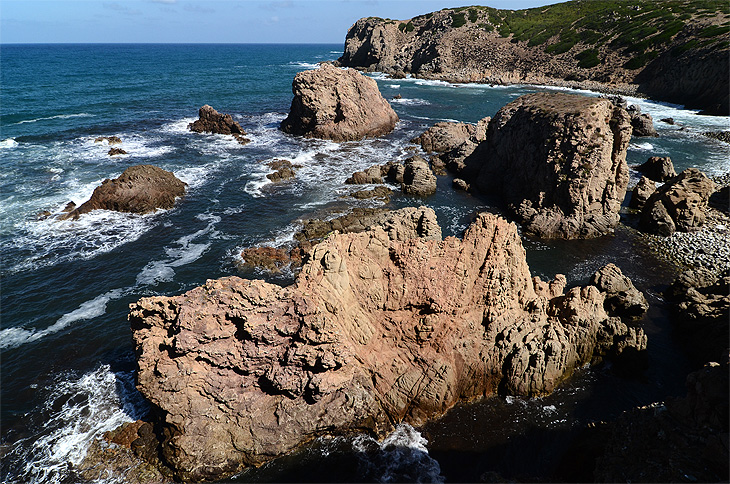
{"type": "Point", "coordinates": [211, 121]}
{"type": "Point", "coordinates": [337, 104]}
{"type": "Point", "coordinates": [139, 189]}
{"type": "Point", "coordinates": [376, 330]}
{"type": "Point", "coordinates": [558, 162]}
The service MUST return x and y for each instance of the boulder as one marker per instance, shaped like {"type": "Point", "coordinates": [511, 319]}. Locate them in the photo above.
{"type": "Point", "coordinates": [459, 184]}
{"type": "Point", "coordinates": [444, 136]}
{"type": "Point", "coordinates": [641, 193]}
{"type": "Point", "coordinates": [337, 104]}
{"type": "Point", "coordinates": [112, 140]}
{"type": "Point", "coordinates": [393, 171]}
{"type": "Point", "coordinates": [720, 199]}
{"type": "Point", "coordinates": [380, 192]}
{"type": "Point", "coordinates": [284, 170]}
{"type": "Point", "coordinates": [211, 121]}
{"type": "Point", "coordinates": [418, 179]}
{"type": "Point", "coordinates": [376, 330]}
{"type": "Point", "coordinates": [372, 175]}
{"type": "Point", "coordinates": [139, 189]}
{"type": "Point", "coordinates": [657, 168]}
{"type": "Point", "coordinates": [667, 120]}
{"type": "Point", "coordinates": [622, 298]}
{"type": "Point", "coordinates": [642, 124]}
{"type": "Point", "coordinates": [116, 151]}
{"type": "Point", "coordinates": [678, 205]}
{"type": "Point", "coordinates": [558, 162]}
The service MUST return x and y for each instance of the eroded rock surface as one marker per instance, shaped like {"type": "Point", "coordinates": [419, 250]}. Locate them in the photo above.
{"type": "Point", "coordinates": [641, 193]}
{"type": "Point", "coordinates": [139, 189]}
{"type": "Point", "coordinates": [678, 205]}
{"type": "Point", "coordinates": [418, 179]}
{"type": "Point", "coordinates": [376, 330]}
{"type": "Point", "coordinates": [284, 170]}
{"type": "Point", "coordinates": [558, 161]}
{"type": "Point", "coordinates": [658, 168]}
{"type": "Point", "coordinates": [622, 298]}
{"type": "Point", "coordinates": [211, 121]}
{"type": "Point", "coordinates": [337, 104]}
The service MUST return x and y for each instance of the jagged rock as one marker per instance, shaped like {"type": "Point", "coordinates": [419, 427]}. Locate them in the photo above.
{"type": "Point", "coordinates": [658, 168]}
{"type": "Point", "coordinates": [336, 104]}
{"type": "Point", "coordinates": [112, 140]}
{"type": "Point", "coordinates": [377, 192]}
{"type": "Point", "coordinates": [116, 151]}
{"type": "Point", "coordinates": [270, 258]}
{"type": "Point", "coordinates": [444, 136]}
{"type": "Point", "coordinates": [642, 124]}
{"type": "Point", "coordinates": [139, 189]}
{"type": "Point", "coordinates": [70, 206]}
{"type": "Point", "coordinates": [667, 120]}
{"type": "Point", "coordinates": [641, 193]}
{"type": "Point", "coordinates": [438, 167]}
{"type": "Point", "coordinates": [393, 172]}
{"type": "Point", "coordinates": [372, 175]}
{"type": "Point", "coordinates": [211, 121]}
{"type": "Point", "coordinates": [376, 330]}
{"type": "Point", "coordinates": [418, 179]}
{"type": "Point", "coordinates": [679, 204]}
{"type": "Point", "coordinates": [701, 309]}
{"type": "Point", "coordinates": [460, 184]}
{"type": "Point", "coordinates": [558, 161]}
{"type": "Point", "coordinates": [622, 298]}
{"type": "Point", "coordinates": [284, 170]}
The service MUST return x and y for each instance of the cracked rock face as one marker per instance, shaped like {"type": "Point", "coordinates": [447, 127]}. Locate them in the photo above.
{"type": "Point", "coordinates": [558, 161]}
{"type": "Point", "coordinates": [377, 329]}
{"type": "Point", "coordinates": [337, 104]}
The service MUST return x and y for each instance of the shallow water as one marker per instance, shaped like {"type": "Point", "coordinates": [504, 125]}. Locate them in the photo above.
{"type": "Point", "coordinates": [67, 354]}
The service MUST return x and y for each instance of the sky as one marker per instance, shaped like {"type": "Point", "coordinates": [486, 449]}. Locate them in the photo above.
{"type": "Point", "coordinates": [207, 21]}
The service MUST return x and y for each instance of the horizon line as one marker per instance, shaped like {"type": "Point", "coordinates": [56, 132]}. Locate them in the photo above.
{"type": "Point", "coordinates": [169, 43]}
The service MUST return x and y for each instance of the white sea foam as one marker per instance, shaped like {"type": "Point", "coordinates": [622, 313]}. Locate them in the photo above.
{"type": "Point", "coordinates": [305, 65]}
{"type": "Point", "coordinates": [179, 126]}
{"type": "Point", "coordinates": [642, 146]}
{"type": "Point", "coordinates": [394, 86]}
{"type": "Point", "coordinates": [78, 411]}
{"type": "Point", "coordinates": [59, 116]}
{"type": "Point", "coordinates": [8, 143]}
{"type": "Point", "coordinates": [410, 102]}
{"type": "Point", "coordinates": [401, 457]}
{"type": "Point", "coordinates": [434, 82]}
{"type": "Point", "coordinates": [14, 337]}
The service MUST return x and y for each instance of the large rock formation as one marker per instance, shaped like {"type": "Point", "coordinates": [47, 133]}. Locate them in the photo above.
{"type": "Point", "coordinates": [680, 204]}
{"type": "Point", "coordinates": [337, 104]}
{"type": "Point", "coordinates": [418, 179]}
{"type": "Point", "coordinates": [657, 168]}
{"type": "Point", "coordinates": [139, 189]}
{"type": "Point", "coordinates": [558, 161]}
{"type": "Point", "coordinates": [211, 121]}
{"type": "Point", "coordinates": [375, 331]}
{"type": "Point", "coordinates": [445, 136]}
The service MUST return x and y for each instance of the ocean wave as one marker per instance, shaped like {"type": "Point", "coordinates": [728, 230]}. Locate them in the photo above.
{"type": "Point", "coordinates": [14, 337]}
{"type": "Point", "coordinates": [642, 146]}
{"type": "Point", "coordinates": [58, 116]}
{"type": "Point", "coordinates": [394, 86]}
{"type": "Point", "coordinates": [76, 412]}
{"type": "Point", "coordinates": [8, 143]}
{"type": "Point", "coordinates": [306, 65]}
{"type": "Point", "coordinates": [179, 126]}
{"type": "Point", "coordinates": [410, 102]}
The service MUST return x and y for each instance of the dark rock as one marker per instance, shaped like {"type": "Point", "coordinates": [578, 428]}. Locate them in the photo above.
{"type": "Point", "coordinates": [723, 136]}
{"type": "Point", "coordinates": [370, 176]}
{"type": "Point", "coordinates": [667, 120]}
{"type": "Point", "coordinates": [270, 258]}
{"type": "Point", "coordinates": [721, 199]}
{"type": "Point", "coordinates": [381, 192]}
{"type": "Point", "coordinates": [117, 151]}
{"type": "Point", "coordinates": [211, 121]}
{"type": "Point", "coordinates": [418, 179]}
{"type": "Point", "coordinates": [641, 193]}
{"type": "Point", "coordinates": [643, 125]}
{"type": "Point", "coordinates": [460, 184]}
{"type": "Point", "coordinates": [393, 172]}
{"type": "Point", "coordinates": [398, 96]}
{"type": "Point", "coordinates": [679, 204]}
{"type": "Point", "coordinates": [658, 168]}
{"type": "Point", "coordinates": [438, 166]}
{"type": "Point", "coordinates": [112, 140]}
{"type": "Point", "coordinates": [336, 104]}
{"type": "Point", "coordinates": [140, 189]}
{"type": "Point", "coordinates": [622, 298]}
{"type": "Point", "coordinates": [70, 207]}
{"type": "Point", "coordinates": [284, 170]}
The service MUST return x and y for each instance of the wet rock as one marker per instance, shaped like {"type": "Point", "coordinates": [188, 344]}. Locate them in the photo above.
{"type": "Point", "coordinates": [380, 192]}
{"type": "Point", "coordinates": [336, 104]}
{"type": "Point", "coordinates": [418, 179]}
{"type": "Point", "coordinates": [658, 168]}
{"type": "Point", "coordinates": [139, 189]}
{"type": "Point", "coordinates": [558, 162]}
{"type": "Point", "coordinates": [116, 151]}
{"type": "Point", "coordinates": [112, 140]}
{"type": "Point", "coordinates": [621, 297]}
{"type": "Point", "coordinates": [376, 330]}
{"type": "Point", "coordinates": [641, 193]}
{"type": "Point", "coordinates": [70, 207]}
{"type": "Point", "coordinates": [211, 121]}
{"type": "Point", "coordinates": [678, 205]}
{"type": "Point", "coordinates": [667, 120]}
{"type": "Point", "coordinates": [370, 176]}
{"type": "Point", "coordinates": [723, 136]}
{"type": "Point", "coordinates": [284, 170]}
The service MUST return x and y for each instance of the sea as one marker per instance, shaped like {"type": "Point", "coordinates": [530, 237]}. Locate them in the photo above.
{"type": "Point", "coordinates": [67, 357]}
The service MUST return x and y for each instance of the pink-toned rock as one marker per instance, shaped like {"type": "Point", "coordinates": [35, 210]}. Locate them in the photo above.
{"type": "Point", "coordinates": [376, 330]}
{"type": "Point", "coordinates": [337, 104]}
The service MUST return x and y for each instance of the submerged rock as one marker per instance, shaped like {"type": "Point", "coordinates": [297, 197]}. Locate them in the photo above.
{"type": "Point", "coordinates": [558, 161]}
{"type": "Point", "coordinates": [678, 205]}
{"type": "Point", "coordinates": [211, 121]}
{"type": "Point", "coordinates": [377, 329]}
{"type": "Point", "coordinates": [112, 140]}
{"type": "Point", "coordinates": [116, 151]}
{"type": "Point", "coordinates": [139, 189]}
{"type": "Point", "coordinates": [337, 104]}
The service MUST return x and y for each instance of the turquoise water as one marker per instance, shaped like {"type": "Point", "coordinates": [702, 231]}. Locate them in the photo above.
{"type": "Point", "coordinates": [67, 354]}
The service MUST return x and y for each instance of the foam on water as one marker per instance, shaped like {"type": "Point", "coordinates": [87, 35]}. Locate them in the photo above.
{"type": "Point", "coordinates": [76, 412]}
{"type": "Point", "coordinates": [8, 143]}
{"type": "Point", "coordinates": [410, 102]}
{"type": "Point", "coordinates": [303, 64]}
{"type": "Point", "coordinates": [59, 116]}
{"type": "Point", "coordinates": [401, 457]}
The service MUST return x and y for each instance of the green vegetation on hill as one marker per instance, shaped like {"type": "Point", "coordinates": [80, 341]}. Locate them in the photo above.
{"type": "Point", "coordinates": [641, 28]}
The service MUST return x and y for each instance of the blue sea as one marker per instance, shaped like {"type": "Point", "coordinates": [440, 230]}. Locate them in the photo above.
{"type": "Point", "coordinates": [67, 353]}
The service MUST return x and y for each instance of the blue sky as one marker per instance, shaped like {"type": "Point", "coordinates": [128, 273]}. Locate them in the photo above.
{"type": "Point", "coordinates": [224, 21]}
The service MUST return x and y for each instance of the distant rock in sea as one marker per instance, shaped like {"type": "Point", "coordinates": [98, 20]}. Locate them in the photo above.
{"type": "Point", "coordinates": [211, 121]}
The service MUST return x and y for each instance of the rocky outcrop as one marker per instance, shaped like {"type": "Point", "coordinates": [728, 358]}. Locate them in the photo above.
{"type": "Point", "coordinates": [380, 192]}
{"type": "Point", "coordinates": [418, 179]}
{"type": "Point", "coordinates": [372, 175]}
{"type": "Point", "coordinates": [211, 121]}
{"type": "Point", "coordinates": [642, 124]}
{"type": "Point", "coordinates": [641, 193]}
{"type": "Point", "coordinates": [622, 298]}
{"type": "Point", "coordinates": [445, 136]}
{"type": "Point", "coordinates": [139, 189]}
{"type": "Point", "coordinates": [658, 168]}
{"type": "Point", "coordinates": [558, 162]}
{"type": "Point", "coordinates": [284, 170]}
{"type": "Point", "coordinates": [111, 140]}
{"type": "Point", "coordinates": [376, 330]}
{"type": "Point", "coordinates": [116, 151]}
{"type": "Point", "coordinates": [678, 205]}
{"type": "Point", "coordinates": [337, 104]}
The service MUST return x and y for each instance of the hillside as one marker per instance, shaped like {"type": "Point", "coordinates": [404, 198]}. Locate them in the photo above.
{"type": "Point", "coordinates": [672, 50]}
